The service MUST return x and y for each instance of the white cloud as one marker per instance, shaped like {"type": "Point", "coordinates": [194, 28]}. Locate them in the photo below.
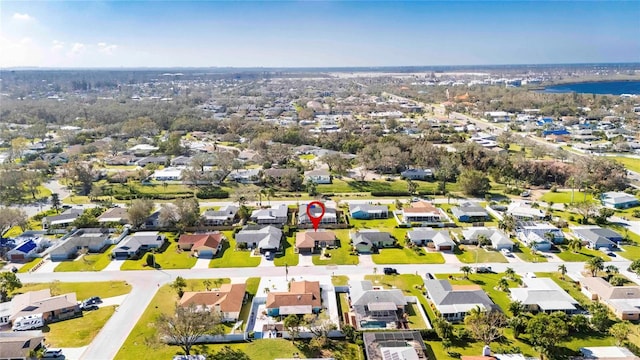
{"type": "Point", "coordinates": [26, 41]}
{"type": "Point", "coordinates": [22, 17]}
{"type": "Point", "coordinates": [107, 48]}
{"type": "Point", "coordinates": [77, 48]}
{"type": "Point", "coordinates": [57, 45]}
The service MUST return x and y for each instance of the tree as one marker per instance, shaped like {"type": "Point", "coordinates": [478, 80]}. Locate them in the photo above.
{"type": "Point", "coordinates": [562, 269]}
{"type": "Point", "coordinates": [508, 224]}
{"type": "Point", "coordinates": [516, 307]}
{"type": "Point", "coordinates": [139, 211]}
{"type": "Point", "coordinates": [545, 332]}
{"type": "Point", "coordinates": [599, 317]}
{"type": "Point", "coordinates": [503, 284]}
{"type": "Point", "coordinates": [320, 326]}
{"type": "Point", "coordinates": [411, 187]}
{"type": "Point", "coordinates": [244, 213]}
{"type": "Point", "coordinates": [292, 324]}
{"type": "Point", "coordinates": [474, 182]}
{"type": "Point", "coordinates": [586, 209]}
{"type": "Point", "coordinates": [227, 353]}
{"type": "Point", "coordinates": [486, 326]}
{"type": "Point", "coordinates": [8, 283]}
{"type": "Point", "coordinates": [594, 265]}
{"type": "Point", "coordinates": [188, 212]}
{"type": "Point", "coordinates": [187, 325]}
{"type": "Point", "coordinates": [617, 280]}
{"type": "Point", "coordinates": [207, 284]}
{"type": "Point", "coordinates": [443, 328]}
{"type": "Point", "coordinates": [55, 202]}
{"type": "Point", "coordinates": [12, 217]}
{"type": "Point", "coordinates": [518, 324]}
{"type": "Point", "coordinates": [466, 270]}
{"type": "Point", "coordinates": [635, 266]}
{"type": "Point", "coordinates": [611, 270]}
{"type": "Point", "coordinates": [575, 245]}
{"type": "Point", "coordinates": [178, 285]}
{"type": "Point", "coordinates": [620, 331]}
{"type": "Point", "coordinates": [510, 273]}
{"type": "Point", "coordinates": [151, 260]}
{"type": "Point", "coordinates": [603, 215]}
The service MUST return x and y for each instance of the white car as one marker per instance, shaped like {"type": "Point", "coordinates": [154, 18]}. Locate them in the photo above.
{"type": "Point", "coordinates": [506, 252]}
{"type": "Point", "coordinates": [52, 353]}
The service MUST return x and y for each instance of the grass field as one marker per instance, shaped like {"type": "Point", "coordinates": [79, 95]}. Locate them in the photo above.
{"type": "Point", "coordinates": [631, 252]}
{"type": "Point", "coordinates": [171, 258]}
{"type": "Point", "coordinates": [290, 258]}
{"type": "Point", "coordinates": [564, 197]}
{"type": "Point", "coordinates": [79, 331]}
{"type": "Point", "coordinates": [583, 255]}
{"type": "Point", "coordinates": [89, 262]}
{"type": "Point", "coordinates": [407, 256]}
{"type": "Point", "coordinates": [339, 280]}
{"type": "Point", "coordinates": [630, 163]}
{"type": "Point", "coordinates": [30, 265]}
{"type": "Point", "coordinates": [252, 289]}
{"type": "Point", "coordinates": [473, 255]}
{"type": "Point", "coordinates": [83, 290]}
{"type": "Point", "coordinates": [229, 257]}
{"type": "Point", "coordinates": [341, 255]}
{"type": "Point", "coordinates": [353, 186]}
{"type": "Point", "coordinates": [524, 253]}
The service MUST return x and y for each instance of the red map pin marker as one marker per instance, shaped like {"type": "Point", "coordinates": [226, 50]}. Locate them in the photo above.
{"type": "Point", "coordinates": [312, 213]}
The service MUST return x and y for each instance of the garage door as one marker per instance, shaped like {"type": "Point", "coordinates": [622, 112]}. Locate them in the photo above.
{"type": "Point", "coordinates": [445, 247]}
{"type": "Point", "coordinates": [17, 258]}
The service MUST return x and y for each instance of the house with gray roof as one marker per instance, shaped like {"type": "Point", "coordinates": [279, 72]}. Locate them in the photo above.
{"type": "Point", "coordinates": [426, 236]}
{"type": "Point", "coordinates": [619, 200]}
{"type": "Point", "coordinates": [417, 174]}
{"type": "Point", "coordinates": [64, 219]}
{"type": "Point", "coordinates": [245, 176]}
{"type": "Point", "coordinates": [543, 295]}
{"type": "Point", "coordinates": [319, 176]}
{"type": "Point", "coordinates": [596, 237]}
{"type": "Point", "coordinates": [224, 216]}
{"type": "Point", "coordinates": [373, 306]}
{"type": "Point", "coordinates": [498, 239]}
{"type": "Point", "coordinates": [365, 241]}
{"type": "Point", "coordinates": [265, 238]}
{"type": "Point", "coordinates": [330, 214]}
{"type": "Point", "coordinates": [19, 345]}
{"type": "Point", "coordinates": [93, 239]}
{"type": "Point", "coordinates": [368, 211]}
{"type": "Point", "coordinates": [273, 216]}
{"type": "Point", "coordinates": [114, 215]}
{"type": "Point", "coordinates": [138, 243]}
{"type": "Point", "coordinates": [470, 212]}
{"type": "Point", "coordinates": [455, 301]}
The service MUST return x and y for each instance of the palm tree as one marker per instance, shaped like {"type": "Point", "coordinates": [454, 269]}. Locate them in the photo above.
{"type": "Point", "coordinates": [466, 270]}
{"type": "Point", "coordinates": [611, 269]}
{"type": "Point", "coordinates": [562, 269]}
{"type": "Point", "coordinates": [503, 284]}
{"type": "Point", "coordinates": [510, 273]}
{"type": "Point", "coordinates": [594, 265]}
{"type": "Point", "coordinates": [575, 245]}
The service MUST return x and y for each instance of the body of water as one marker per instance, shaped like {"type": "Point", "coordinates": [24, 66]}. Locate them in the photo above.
{"type": "Point", "coordinates": [604, 87]}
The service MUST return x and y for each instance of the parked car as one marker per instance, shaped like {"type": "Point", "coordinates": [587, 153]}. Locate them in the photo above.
{"type": "Point", "coordinates": [390, 271]}
{"type": "Point", "coordinates": [92, 301]}
{"type": "Point", "coordinates": [430, 276]}
{"type": "Point", "coordinates": [52, 353]}
{"type": "Point", "coordinates": [484, 270]}
{"type": "Point", "coordinates": [525, 193]}
{"type": "Point", "coordinates": [89, 307]}
{"type": "Point", "coordinates": [506, 252]}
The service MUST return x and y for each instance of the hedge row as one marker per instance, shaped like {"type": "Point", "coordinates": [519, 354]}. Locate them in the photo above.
{"type": "Point", "coordinates": [212, 194]}
{"type": "Point", "coordinates": [389, 193]}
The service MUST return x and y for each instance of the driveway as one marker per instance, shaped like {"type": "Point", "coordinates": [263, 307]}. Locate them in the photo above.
{"type": "Point", "coordinates": [114, 265]}
{"type": "Point", "coordinates": [450, 258]}
{"type": "Point", "coordinates": [202, 263]}
{"type": "Point", "coordinates": [47, 266]}
{"type": "Point", "coordinates": [305, 260]}
{"type": "Point", "coordinates": [366, 260]}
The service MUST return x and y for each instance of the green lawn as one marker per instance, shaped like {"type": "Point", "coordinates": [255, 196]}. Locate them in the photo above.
{"type": "Point", "coordinates": [583, 255]}
{"type": "Point", "coordinates": [138, 345]}
{"type": "Point", "coordinates": [353, 186]}
{"type": "Point", "coordinates": [289, 257]}
{"type": "Point", "coordinates": [524, 253]}
{"type": "Point", "coordinates": [252, 289]}
{"type": "Point", "coordinates": [339, 280]}
{"type": "Point", "coordinates": [631, 252]}
{"type": "Point", "coordinates": [407, 256]}
{"type": "Point", "coordinates": [564, 197]}
{"type": "Point", "coordinates": [28, 266]}
{"type": "Point", "coordinates": [171, 258]}
{"type": "Point", "coordinates": [83, 290]}
{"type": "Point", "coordinates": [630, 163]}
{"type": "Point", "coordinates": [415, 318]}
{"type": "Point", "coordinates": [89, 262]}
{"type": "Point", "coordinates": [13, 232]}
{"type": "Point", "coordinates": [472, 255]}
{"type": "Point", "coordinates": [230, 257]}
{"type": "Point", "coordinates": [341, 255]}
{"type": "Point", "coordinates": [79, 331]}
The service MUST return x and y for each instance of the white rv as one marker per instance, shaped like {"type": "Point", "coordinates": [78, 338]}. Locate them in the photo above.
{"type": "Point", "coordinates": [28, 323]}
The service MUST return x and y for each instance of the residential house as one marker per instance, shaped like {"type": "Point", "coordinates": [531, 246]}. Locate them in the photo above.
{"type": "Point", "coordinates": [271, 175]}
{"type": "Point", "coordinates": [454, 302]}
{"type": "Point", "coordinates": [265, 238]}
{"type": "Point", "coordinates": [624, 301]}
{"type": "Point", "coordinates": [311, 241]}
{"type": "Point", "coordinates": [498, 116]}
{"type": "Point", "coordinates": [114, 215]}
{"type": "Point", "coordinates": [19, 345]}
{"type": "Point", "coordinates": [183, 161]}
{"type": "Point", "coordinates": [535, 241]}
{"type": "Point", "coordinates": [303, 297]}
{"type": "Point", "coordinates": [619, 200]}
{"type": "Point", "coordinates": [401, 345]}
{"type": "Point", "coordinates": [52, 308]}
{"type": "Point", "coordinates": [168, 174]}
{"type": "Point", "coordinates": [202, 245]}
{"type": "Point", "coordinates": [374, 307]}
{"type": "Point", "coordinates": [319, 176]}
{"type": "Point", "coordinates": [422, 212]}
{"type": "Point", "coordinates": [64, 219]}
{"type": "Point", "coordinates": [540, 229]}
{"type": "Point", "coordinates": [137, 243]}
{"type": "Point", "coordinates": [437, 239]}
{"type": "Point", "coordinates": [227, 300]}
{"type": "Point", "coordinates": [125, 159]}
{"type": "Point", "coordinates": [365, 241]}
{"type": "Point", "coordinates": [498, 239]}
{"type": "Point", "coordinates": [607, 353]}
{"type": "Point", "coordinates": [596, 237]}
{"type": "Point", "coordinates": [543, 295]}
{"type": "Point", "coordinates": [226, 215]}
{"type": "Point", "coordinates": [417, 174]}
{"type": "Point", "coordinates": [157, 160]}
{"type": "Point", "coordinates": [470, 212]}
{"type": "Point", "coordinates": [329, 217]}
{"type": "Point", "coordinates": [93, 239]}
{"type": "Point", "coordinates": [274, 215]}
{"type": "Point", "coordinates": [368, 211]}
{"type": "Point", "coordinates": [248, 176]}
{"type": "Point", "coordinates": [25, 250]}
{"type": "Point", "coordinates": [143, 149]}
{"type": "Point", "coordinates": [524, 211]}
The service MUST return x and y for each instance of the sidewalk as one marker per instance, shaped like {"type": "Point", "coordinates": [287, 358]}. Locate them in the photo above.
{"type": "Point", "coordinates": [47, 266]}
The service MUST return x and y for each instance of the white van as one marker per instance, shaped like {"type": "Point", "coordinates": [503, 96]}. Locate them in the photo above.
{"type": "Point", "coordinates": [28, 323]}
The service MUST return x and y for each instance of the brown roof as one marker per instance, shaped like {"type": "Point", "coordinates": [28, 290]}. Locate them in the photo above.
{"type": "Point", "coordinates": [308, 239]}
{"type": "Point", "coordinates": [228, 298]}
{"type": "Point", "coordinates": [114, 213]}
{"type": "Point", "coordinates": [607, 291]}
{"type": "Point", "coordinates": [300, 293]}
{"type": "Point", "coordinates": [18, 344]}
{"type": "Point", "coordinates": [40, 304]}
{"type": "Point", "coordinates": [200, 240]}
{"type": "Point", "coordinates": [421, 207]}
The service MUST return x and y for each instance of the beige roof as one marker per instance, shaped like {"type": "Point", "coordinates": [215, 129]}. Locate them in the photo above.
{"type": "Point", "coordinates": [308, 239]}
{"type": "Point", "coordinates": [113, 214]}
{"type": "Point", "coordinates": [21, 301]}
{"type": "Point", "coordinates": [228, 298]}
{"type": "Point", "coordinates": [421, 207]}
{"type": "Point", "coordinates": [18, 344]}
{"type": "Point", "coordinates": [300, 293]}
{"type": "Point", "coordinates": [607, 291]}
{"type": "Point", "coordinates": [46, 305]}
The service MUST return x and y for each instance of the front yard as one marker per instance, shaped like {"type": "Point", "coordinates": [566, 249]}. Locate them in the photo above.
{"type": "Point", "coordinates": [583, 254]}
{"type": "Point", "coordinates": [83, 290]}
{"type": "Point", "coordinates": [472, 254]}
{"type": "Point", "coordinates": [30, 265]}
{"type": "Point", "coordinates": [170, 257]}
{"type": "Point", "coordinates": [341, 255]}
{"type": "Point", "coordinates": [89, 262]}
{"type": "Point", "coordinates": [525, 253]}
{"type": "Point", "coordinates": [230, 257]}
{"type": "Point", "coordinates": [290, 258]}
{"type": "Point", "coordinates": [79, 331]}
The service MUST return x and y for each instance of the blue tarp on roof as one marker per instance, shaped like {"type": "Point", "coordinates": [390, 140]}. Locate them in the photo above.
{"type": "Point", "coordinates": [556, 132]}
{"type": "Point", "coordinates": [27, 246]}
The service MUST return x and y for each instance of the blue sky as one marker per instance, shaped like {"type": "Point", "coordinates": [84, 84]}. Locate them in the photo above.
{"type": "Point", "coordinates": [315, 33]}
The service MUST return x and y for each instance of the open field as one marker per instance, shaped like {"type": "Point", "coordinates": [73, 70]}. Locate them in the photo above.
{"type": "Point", "coordinates": [473, 255]}
{"type": "Point", "coordinates": [564, 197]}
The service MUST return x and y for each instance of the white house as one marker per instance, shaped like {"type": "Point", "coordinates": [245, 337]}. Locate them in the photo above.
{"type": "Point", "coordinates": [524, 211]}
{"type": "Point", "coordinates": [168, 174]}
{"type": "Point", "coordinates": [274, 215]}
{"type": "Point", "coordinates": [318, 176]}
{"type": "Point", "coordinates": [619, 200]}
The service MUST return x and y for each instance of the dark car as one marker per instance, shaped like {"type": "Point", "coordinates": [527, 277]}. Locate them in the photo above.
{"type": "Point", "coordinates": [92, 300]}
{"type": "Point", "coordinates": [484, 270]}
{"type": "Point", "coordinates": [430, 276]}
{"type": "Point", "coordinates": [89, 307]}
{"type": "Point", "coordinates": [390, 271]}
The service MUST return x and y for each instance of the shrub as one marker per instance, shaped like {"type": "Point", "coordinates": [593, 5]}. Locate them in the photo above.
{"type": "Point", "coordinates": [212, 193]}
{"type": "Point", "coordinates": [389, 193]}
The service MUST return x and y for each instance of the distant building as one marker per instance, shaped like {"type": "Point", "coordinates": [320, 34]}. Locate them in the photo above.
{"type": "Point", "coordinates": [64, 219]}
{"type": "Point", "coordinates": [227, 300]}
{"type": "Point", "coordinates": [318, 176]}
{"type": "Point", "coordinates": [417, 174]}
{"type": "Point", "coordinates": [470, 212]}
{"type": "Point", "coordinates": [368, 211]}
{"type": "Point", "coordinates": [422, 212]}
{"type": "Point", "coordinates": [619, 200]}
{"type": "Point", "coordinates": [224, 216]}
{"type": "Point", "coordinates": [264, 238]}
{"type": "Point", "coordinates": [329, 217]}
